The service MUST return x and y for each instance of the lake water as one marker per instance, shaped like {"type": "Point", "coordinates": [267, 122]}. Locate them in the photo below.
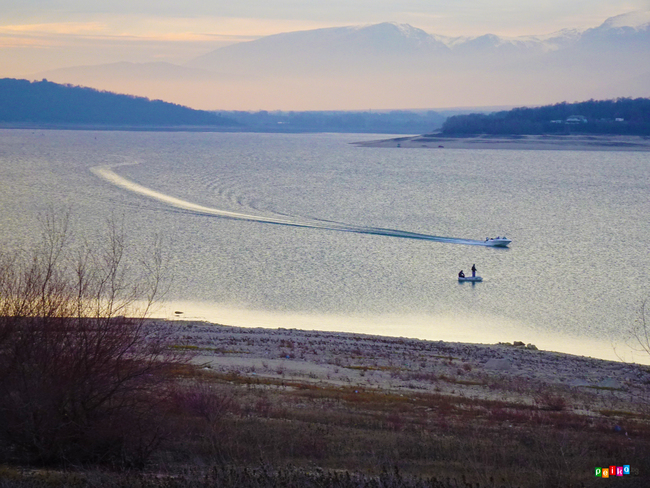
{"type": "Point", "coordinates": [304, 230]}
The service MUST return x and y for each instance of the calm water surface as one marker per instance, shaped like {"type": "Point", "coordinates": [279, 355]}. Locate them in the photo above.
{"type": "Point", "coordinates": [294, 251]}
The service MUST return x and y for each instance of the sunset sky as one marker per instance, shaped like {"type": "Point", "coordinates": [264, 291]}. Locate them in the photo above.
{"type": "Point", "coordinates": [37, 35]}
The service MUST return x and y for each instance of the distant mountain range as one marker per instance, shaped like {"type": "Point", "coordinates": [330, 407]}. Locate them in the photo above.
{"type": "Point", "coordinates": [392, 65]}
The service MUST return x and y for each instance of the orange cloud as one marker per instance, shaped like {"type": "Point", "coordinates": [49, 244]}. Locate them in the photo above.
{"type": "Point", "coordinates": [56, 28]}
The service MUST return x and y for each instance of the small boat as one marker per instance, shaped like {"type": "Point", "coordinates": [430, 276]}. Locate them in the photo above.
{"type": "Point", "coordinates": [497, 242]}
{"type": "Point", "coordinates": [473, 279]}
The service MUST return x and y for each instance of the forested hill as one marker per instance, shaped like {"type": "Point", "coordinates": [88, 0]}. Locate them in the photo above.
{"type": "Point", "coordinates": [621, 116]}
{"type": "Point", "coordinates": [43, 102]}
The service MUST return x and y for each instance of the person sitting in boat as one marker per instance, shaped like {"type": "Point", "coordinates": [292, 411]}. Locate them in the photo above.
{"type": "Point", "coordinates": [473, 270]}
{"type": "Point", "coordinates": [461, 274]}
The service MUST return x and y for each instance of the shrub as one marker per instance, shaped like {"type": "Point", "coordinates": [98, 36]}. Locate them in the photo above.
{"type": "Point", "coordinates": [546, 400]}
{"type": "Point", "coordinates": [79, 381]}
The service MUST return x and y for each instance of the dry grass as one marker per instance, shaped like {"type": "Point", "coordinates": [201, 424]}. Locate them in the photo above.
{"type": "Point", "coordinates": [263, 431]}
{"type": "Point", "coordinates": [443, 422]}
{"type": "Point", "coordinates": [424, 434]}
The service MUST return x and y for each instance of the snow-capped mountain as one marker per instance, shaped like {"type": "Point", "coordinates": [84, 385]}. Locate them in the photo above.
{"type": "Point", "coordinates": [364, 46]}
{"type": "Point", "coordinates": [392, 65]}
{"type": "Point", "coordinates": [637, 20]}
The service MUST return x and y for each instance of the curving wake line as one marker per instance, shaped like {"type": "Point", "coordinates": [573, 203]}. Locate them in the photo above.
{"type": "Point", "coordinates": [109, 175]}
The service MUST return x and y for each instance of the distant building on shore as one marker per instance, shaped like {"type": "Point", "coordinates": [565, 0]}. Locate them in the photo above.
{"type": "Point", "coordinates": [576, 119]}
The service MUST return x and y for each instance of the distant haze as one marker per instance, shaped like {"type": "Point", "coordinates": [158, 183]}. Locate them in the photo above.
{"type": "Point", "coordinates": [391, 66]}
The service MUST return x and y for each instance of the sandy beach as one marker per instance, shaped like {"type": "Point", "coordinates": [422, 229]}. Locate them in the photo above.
{"type": "Point", "coordinates": [524, 142]}
{"type": "Point", "coordinates": [506, 371]}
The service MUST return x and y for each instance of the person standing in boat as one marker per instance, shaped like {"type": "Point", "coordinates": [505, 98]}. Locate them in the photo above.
{"type": "Point", "coordinates": [473, 270]}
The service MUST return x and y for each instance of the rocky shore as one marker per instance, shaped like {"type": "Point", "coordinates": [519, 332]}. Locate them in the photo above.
{"type": "Point", "coordinates": [506, 371]}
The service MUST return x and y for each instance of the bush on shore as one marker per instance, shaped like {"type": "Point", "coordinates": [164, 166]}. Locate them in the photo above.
{"type": "Point", "coordinates": [79, 382]}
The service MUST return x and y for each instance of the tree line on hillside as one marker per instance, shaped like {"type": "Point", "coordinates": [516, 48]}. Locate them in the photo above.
{"type": "Point", "coordinates": [44, 102]}
{"type": "Point", "coordinates": [389, 122]}
{"type": "Point", "coordinates": [624, 116]}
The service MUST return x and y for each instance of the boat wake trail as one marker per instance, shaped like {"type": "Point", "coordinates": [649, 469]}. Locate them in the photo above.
{"type": "Point", "coordinates": [109, 175]}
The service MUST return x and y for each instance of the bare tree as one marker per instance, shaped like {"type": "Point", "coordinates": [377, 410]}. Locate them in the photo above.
{"type": "Point", "coordinates": [640, 331]}
{"type": "Point", "coordinates": [81, 371]}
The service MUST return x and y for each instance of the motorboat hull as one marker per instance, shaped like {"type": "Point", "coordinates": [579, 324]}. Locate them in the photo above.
{"type": "Point", "coordinates": [473, 279]}
{"type": "Point", "coordinates": [497, 242]}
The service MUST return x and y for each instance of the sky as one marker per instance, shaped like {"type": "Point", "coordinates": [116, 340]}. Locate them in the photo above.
{"type": "Point", "coordinates": [39, 35]}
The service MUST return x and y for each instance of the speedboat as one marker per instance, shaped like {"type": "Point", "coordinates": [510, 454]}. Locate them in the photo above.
{"type": "Point", "coordinates": [497, 242]}
{"type": "Point", "coordinates": [473, 279]}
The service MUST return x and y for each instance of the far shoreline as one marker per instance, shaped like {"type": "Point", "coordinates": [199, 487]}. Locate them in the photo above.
{"type": "Point", "coordinates": [583, 142]}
